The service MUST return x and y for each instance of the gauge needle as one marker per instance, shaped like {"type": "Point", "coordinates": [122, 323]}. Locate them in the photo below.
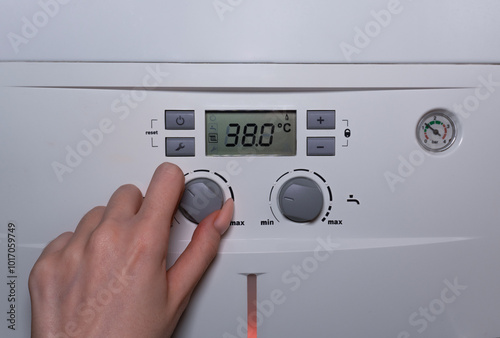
{"type": "Point", "coordinates": [435, 131]}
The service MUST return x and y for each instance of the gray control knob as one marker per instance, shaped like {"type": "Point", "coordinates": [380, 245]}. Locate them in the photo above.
{"type": "Point", "coordinates": [300, 199]}
{"type": "Point", "coordinates": [202, 196]}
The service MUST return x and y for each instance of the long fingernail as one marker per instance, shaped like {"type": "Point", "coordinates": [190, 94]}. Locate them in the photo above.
{"type": "Point", "coordinates": [221, 223]}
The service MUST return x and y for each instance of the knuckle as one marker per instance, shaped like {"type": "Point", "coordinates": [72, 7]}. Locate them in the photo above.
{"type": "Point", "coordinates": [37, 272]}
{"type": "Point", "coordinates": [93, 214]}
{"type": "Point", "coordinates": [97, 210]}
{"type": "Point", "coordinates": [104, 238]}
{"type": "Point", "coordinates": [59, 241]}
{"type": "Point", "coordinates": [42, 273]}
{"type": "Point", "coordinates": [71, 257]}
{"type": "Point", "coordinates": [129, 189]}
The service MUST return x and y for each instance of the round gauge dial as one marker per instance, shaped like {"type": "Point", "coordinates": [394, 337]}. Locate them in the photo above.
{"type": "Point", "coordinates": [437, 130]}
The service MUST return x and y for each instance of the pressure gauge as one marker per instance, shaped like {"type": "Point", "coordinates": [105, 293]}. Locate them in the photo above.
{"type": "Point", "coordinates": [437, 130]}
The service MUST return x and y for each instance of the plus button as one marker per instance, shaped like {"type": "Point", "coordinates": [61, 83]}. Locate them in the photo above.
{"type": "Point", "coordinates": [320, 120]}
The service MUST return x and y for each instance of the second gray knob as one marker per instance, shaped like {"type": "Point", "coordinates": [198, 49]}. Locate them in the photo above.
{"type": "Point", "coordinates": [300, 199]}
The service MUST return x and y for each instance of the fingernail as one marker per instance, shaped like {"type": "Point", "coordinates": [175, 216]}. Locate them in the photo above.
{"type": "Point", "coordinates": [221, 223]}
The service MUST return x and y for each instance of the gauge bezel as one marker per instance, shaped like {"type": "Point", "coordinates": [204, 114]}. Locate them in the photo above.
{"type": "Point", "coordinates": [454, 129]}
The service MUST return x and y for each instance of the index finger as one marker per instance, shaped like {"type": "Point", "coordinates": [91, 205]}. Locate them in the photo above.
{"type": "Point", "coordinates": [162, 198]}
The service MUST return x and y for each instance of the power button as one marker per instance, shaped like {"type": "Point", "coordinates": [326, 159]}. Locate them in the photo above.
{"type": "Point", "coordinates": [179, 119]}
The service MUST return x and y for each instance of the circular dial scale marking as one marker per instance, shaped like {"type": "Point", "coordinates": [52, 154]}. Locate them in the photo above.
{"type": "Point", "coordinates": [436, 131]}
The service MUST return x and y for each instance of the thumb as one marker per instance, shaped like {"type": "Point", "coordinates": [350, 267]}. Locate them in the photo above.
{"type": "Point", "coordinates": [185, 274]}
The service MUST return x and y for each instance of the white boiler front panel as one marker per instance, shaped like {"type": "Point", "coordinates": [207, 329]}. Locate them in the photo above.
{"type": "Point", "coordinates": [221, 31]}
{"type": "Point", "coordinates": [404, 242]}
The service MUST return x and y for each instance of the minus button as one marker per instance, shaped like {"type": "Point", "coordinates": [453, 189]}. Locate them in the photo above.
{"type": "Point", "coordinates": [321, 146]}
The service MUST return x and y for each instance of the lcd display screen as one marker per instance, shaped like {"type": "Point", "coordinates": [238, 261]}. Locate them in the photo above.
{"type": "Point", "coordinates": [251, 133]}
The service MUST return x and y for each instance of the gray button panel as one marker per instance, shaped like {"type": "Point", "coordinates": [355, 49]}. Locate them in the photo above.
{"type": "Point", "coordinates": [179, 119]}
{"type": "Point", "coordinates": [179, 146]}
{"type": "Point", "coordinates": [321, 146]}
{"type": "Point", "coordinates": [321, 119]}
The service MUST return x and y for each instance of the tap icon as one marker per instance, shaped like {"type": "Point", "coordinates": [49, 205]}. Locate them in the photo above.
{"type": "Point", "coordinates": [351, 199]}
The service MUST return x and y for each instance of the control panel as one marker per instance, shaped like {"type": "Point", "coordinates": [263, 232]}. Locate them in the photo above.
{"type": "Point", "coordinates": [363, 193]}
{"type": "Point", "coordinates": [299, 195]}
{"type": "Point", "coordinates": [270, 141]}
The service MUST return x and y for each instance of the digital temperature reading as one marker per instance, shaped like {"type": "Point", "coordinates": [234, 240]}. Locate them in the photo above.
{"type": "Point", "coordinates": [243, 133]}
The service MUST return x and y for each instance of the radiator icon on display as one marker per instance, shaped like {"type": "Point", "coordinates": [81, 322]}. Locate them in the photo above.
{"type": "Point", "coordinates": [213, 138]}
